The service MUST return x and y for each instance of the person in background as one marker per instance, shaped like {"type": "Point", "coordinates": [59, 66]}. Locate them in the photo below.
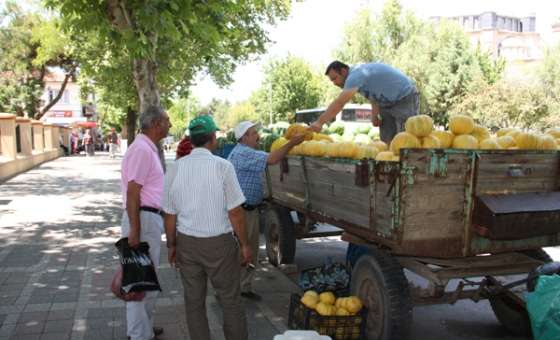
{"type": "Point", "coordinates": [393, 95]}
{"type": "Point", "coordinates": [202, 204]}
{"type": "Point", "coordinates": [113, 140]}
{"type": "Point", "coordinates": [142, 190]}
{"type": "Point", "coordinates": [250, 164]}
{"type": "Point", "coordinates": [89, 143]}
{"type": "Point", "coordinates": [184, 148]}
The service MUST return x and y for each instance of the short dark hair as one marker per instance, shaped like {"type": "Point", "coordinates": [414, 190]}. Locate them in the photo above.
{"type": "Point", "coordinates": [199, 140]}
{"type": "Point", "coordinates": [337, 66]}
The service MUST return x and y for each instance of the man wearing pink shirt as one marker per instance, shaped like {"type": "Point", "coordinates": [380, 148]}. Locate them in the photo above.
{"type": "Point", "coordinates": [142, 189]}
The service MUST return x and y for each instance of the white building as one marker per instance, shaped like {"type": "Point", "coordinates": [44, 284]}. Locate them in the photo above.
{"type": "Point", "coordinates": [69, 110]}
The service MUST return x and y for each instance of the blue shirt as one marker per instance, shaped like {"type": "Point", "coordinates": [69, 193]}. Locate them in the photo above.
{"type": "Point", "coordinates": [249, 165]}
{"type": "Point", "coordinates": [379, 82]}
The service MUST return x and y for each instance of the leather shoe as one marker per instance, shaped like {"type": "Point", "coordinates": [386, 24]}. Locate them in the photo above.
{"type": "Point", "coordinates": [251, 296]}
{"type": "Point", "coordinates": [158, 331]}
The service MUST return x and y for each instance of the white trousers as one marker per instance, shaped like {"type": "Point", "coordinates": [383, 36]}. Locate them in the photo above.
{"type": "Point", "coordinates": [140, 314]}
{"type": "Point", "coordinates": [112, 149]}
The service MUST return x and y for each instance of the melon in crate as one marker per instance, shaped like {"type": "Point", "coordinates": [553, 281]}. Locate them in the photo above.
{"type": "Point", "coordinates": [445, 138]}
{"type": "Point", "coordinates": [461, 124]}
{"type": "Point", "coordinates": [404, 140]}
{"type": "Point", "coordinates": [490, 144]}
{"type": "Point", "coordinates": [465, 142]}
{"type": "Point", "coordinates": [526, 140]}
{"type": "Point", "coordinates": [480, 133]}
{"type": "Point", "coordinates": [431, 142]}
{"type": "Point", "coordinates": [505, 141]}
{"type": "Point", "coordinates": [420, 125]}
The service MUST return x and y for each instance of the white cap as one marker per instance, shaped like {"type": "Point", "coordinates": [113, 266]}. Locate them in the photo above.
{"type": "Point", "coordinates": [242, 128]}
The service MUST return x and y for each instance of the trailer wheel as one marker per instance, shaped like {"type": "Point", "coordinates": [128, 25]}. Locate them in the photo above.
{"type": "Point", "coordinates": [280, 236]}
{"type": "Point", "coordinates": [379, 281]}
{"type": "Point", "coordinates": [511, 315]}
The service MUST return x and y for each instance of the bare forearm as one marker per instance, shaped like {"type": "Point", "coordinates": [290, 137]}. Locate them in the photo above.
{"type": "Point", "coordinates": [275, 156]}
{"type": "Point", "coordinates": [170, 224]}
{"type": "Point", "coordinates": [133, 211]}
{"type": "Point", "coordinates": [237, 219]}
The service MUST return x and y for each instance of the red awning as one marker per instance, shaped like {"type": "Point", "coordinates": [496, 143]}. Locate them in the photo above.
{"type": "Point", "coordinates": [87, 124]}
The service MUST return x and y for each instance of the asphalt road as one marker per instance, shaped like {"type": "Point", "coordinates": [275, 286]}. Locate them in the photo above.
{"type": "Point", "coordinates": [463, 320]}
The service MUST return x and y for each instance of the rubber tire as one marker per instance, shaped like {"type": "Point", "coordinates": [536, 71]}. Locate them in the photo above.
{"type": "Point", "coordinates": [382, 273]}
{"type": "Point", "coordinates": [280, 236]}
{"type": "Point", "coordinates": [514, 318]}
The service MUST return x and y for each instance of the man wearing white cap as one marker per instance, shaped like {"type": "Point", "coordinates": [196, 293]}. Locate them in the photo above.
{"type": "Point", "coordinates": [249, 165]}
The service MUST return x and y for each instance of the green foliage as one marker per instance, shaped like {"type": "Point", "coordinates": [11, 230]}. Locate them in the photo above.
{"type": "Point", "coordinates": [240, 112]}
{"type": "Point", "coordinates": [510, 105]}
{"type": "Point", "coordinates": [175, 39]}
{"type": "Point", "coordinates": [289, 84]}
{"type": "Point", "coordinates": [180, 113]}
{"type": "Point", "coordinates": [438, 58]}
{"type": "Point", "coordinates": [549, 72]}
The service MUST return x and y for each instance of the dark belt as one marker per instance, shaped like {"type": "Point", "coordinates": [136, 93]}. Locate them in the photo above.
{"type": "Point", "coordinates": [250, 207]}
{"type": "Point", "coordinates": [152, 210]}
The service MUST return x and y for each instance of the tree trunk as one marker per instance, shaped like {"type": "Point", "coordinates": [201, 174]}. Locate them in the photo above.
{"type": "Point", "coordinates": [130, 125]}
{"type": "Point", "coordinates": [144, 73]}
{"type": "Point", "coordinates": [55, 100]}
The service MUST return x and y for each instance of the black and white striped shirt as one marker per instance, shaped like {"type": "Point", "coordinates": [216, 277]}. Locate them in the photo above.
{"type": "Point", "coordinates": [200, 189]}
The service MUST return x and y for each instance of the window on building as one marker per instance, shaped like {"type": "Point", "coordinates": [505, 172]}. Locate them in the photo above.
{"type": "Point", "coordinates": [66, 97]}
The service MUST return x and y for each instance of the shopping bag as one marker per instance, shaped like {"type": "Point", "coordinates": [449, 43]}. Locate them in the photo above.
{"type": "Point", "coordinates": [138, 271]}
{"type": "Point", "coordinates": [116, 284]}
{"type": "Point", "coordinates": [543, 306]}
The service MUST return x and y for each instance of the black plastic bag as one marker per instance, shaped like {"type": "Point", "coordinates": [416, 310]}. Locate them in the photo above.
{"type": "Point", "coordinates": [138, 272]}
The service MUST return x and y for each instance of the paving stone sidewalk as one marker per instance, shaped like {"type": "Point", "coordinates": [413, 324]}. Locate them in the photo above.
{"type": "Point", "coordinates": [58, 224]}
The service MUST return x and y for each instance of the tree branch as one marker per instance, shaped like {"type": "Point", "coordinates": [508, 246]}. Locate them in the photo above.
{"type": "Point", "coordinates": [55, 100]}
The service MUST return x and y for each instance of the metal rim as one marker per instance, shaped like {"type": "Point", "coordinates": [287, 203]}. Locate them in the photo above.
{"type": "Point", "coordinates": [372, 298]}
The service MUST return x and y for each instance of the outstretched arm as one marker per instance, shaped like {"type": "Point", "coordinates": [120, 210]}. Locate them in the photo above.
{"type": "Point", "coordinates": [334, 108]}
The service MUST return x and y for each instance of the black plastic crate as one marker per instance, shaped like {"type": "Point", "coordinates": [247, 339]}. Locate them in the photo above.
{"type": "Point", "coordinates": [337, 327]}
{"type": "Point", "coordinates": [330, 277]}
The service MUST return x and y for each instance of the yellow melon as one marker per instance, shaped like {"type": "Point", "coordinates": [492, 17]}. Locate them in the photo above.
{"type": "Point", "coordinates": [445, 138]}
{"type": "Point", "coordinates": [555, 132]}
{"type": "Point", "coordinates": [327, 297]}
{"type": "Point", "coordinates": [384, 156]}
{"type": "Point", "coordinates": [296, 150]}
{"type": "Point", "coordinates": [353, 305]}
{"type": "Point", "coordinates": [490, 144]}
{"type": "Point", "coordinates": [505, 141]}
{"type": "Point", "coordinates": [322, 137]}
{"type": "Point", "coordinates": [309, 301]}
{"type": "Point", "coordinates": [380, 145]}
{"type": "Point", "coordinates": [430, 142]}
{"type": "Point", "coordinates": [526, 140]}
{"type": "Point", "coordinates": [420, 125]}
{"type": "Point", "coordinates": [314, 148]}
{"type": "Point", "coordinates": [332, 150]}
{"type": "Point", "coordinates": [465, 142]}
{"type": "Point", "coordinates": [370, 151]}
{"type": "Point", "coordinates": [325, 309]}
{"type": "Point", "coordinates": [342, 312]}
{"type": "Point", "coordinates": [461, 124]}
{"type": "Point", "coordinates": [480, 133]}
{"type": "Point", "coordinates": [404, 140]}
{"type": "Point", "coordinates": [278, 143]}
{"type": "Point", "coordinates": [296, 129]}
{"type": "Point", "coordinates": [513, 133]}
{"type": "Point", "coordinates": [347, 150]}
{"type": "Point", "coordinates": [504, 131]}
{"type": "Point", "coordinates": [547, 142]}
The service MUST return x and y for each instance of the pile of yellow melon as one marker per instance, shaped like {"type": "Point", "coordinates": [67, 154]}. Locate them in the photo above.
{"type": "Point", "coordinates": [419, 132]}
{"type": "Point", "coordinates": [327, 304]}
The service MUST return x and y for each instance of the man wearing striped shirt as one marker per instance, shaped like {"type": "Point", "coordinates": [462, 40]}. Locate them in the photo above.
{"type": "Point", "coordinates": [250, 165]}
{"type": "Point", "coordinates": [202, 202]}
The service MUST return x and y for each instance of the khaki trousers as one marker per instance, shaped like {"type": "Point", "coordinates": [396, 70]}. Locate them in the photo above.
{"type": "Point", "coordinates": [217, 259]}
{"type": "Point", "coordinates": [252, 227]}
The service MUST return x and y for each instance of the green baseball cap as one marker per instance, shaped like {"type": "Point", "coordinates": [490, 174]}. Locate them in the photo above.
{"type": "Point", "coordinates": [203, 124]}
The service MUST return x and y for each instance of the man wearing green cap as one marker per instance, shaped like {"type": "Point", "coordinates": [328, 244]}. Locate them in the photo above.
{"type": "Point", "coordinates": [202, 201]}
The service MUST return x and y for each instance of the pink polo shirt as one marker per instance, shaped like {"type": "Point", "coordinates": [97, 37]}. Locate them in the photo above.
{"type": "Point", "coordinates": [141, 164]}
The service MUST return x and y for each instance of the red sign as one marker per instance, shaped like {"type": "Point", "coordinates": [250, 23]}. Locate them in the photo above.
{"type": "Point", "coordinates": [65, 114]}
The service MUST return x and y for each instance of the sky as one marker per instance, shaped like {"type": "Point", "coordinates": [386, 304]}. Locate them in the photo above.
{"type": "Point", "coordinates": [315, 28]}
